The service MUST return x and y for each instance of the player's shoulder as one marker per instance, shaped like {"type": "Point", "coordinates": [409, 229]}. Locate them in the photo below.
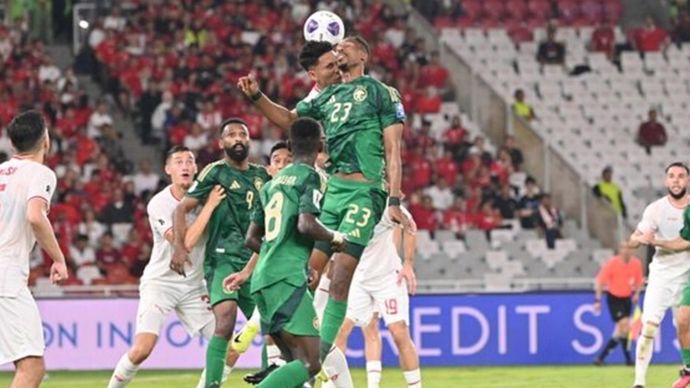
{"type": "Point", "coordinates": [210, 169]}
{"type": "Point", "coordinates": [35, 168]}
{"type": "Point", "coordinates": [259, 171]}
{"type": "Point", "coordinates": [162, 199]}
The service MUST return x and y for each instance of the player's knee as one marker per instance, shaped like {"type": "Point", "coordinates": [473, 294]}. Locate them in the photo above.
{"type": "Point", "coordinates": [33, 369]}
{"type": "Point", "coordinates": [649, 329]}
{"type": "Point", "coordinates": [400, 333]}
{"type": "Point", "coordinates": [140, 352]}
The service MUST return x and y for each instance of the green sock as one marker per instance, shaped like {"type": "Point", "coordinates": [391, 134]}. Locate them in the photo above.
{"type": "Point", "coordinates": [333, 318]}
{"type": "Point", "coordinates": [685, 353]}
{"type": "Point", "coordinates": [216, 352]}
{"type": "Point", "coordinates": [264, 355]}
{"type": "Point", "coordinates": [294, 373]}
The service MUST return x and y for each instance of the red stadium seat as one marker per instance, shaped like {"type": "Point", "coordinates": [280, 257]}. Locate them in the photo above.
{"type": "Point", "coordinates": [465, 22]}
{"type": "Point", "coordinates": [613, 10]}
{"type": "Point", "coordinates": [539, 9]}
{"type": "Point", "coordinates": [494, 9]}
{"type": "Point", "coordinates": [472, 9]}
{"type": "Point", "coordinates": [444, 22]}
{"type": "Point", "coordinates": [592, 10]}
{"type": "Point", "coordinates": [516, 9]}
{"type": "Point", "coordinates": [519, 32]}
{"type": "Point", "coordinates": [487, 24]}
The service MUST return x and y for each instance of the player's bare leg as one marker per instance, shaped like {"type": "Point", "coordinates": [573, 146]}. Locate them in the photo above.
{"type": "Point", "coordinates": [409, 360]}
{"type": "Point", "coordinates": [28, 373]}
{"type": "Point", "coordinates": [372, 352]}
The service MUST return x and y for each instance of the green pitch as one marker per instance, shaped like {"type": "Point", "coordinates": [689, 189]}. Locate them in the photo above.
{"type": "Point", "coordinates": [517, 377]}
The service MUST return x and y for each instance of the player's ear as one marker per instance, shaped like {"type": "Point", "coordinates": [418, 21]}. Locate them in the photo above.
{"type": "Point", "coordinates": [167, 169]}
{"type": "Point", "coordinates": [312, 75]}
{"type": "Point", "coordinates": [289, 145]}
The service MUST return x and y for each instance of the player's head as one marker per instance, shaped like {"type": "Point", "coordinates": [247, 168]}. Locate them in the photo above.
{"type": "Point", "coordinates": [676, 180]}
{"type": "Point", "coordinates": [280, 157]}
{"type": "Point", "coordinates": [319, 61]}
{"type": "Point", "coordinates": [234, 139]}
{"type": "Point", "coordinates": [180, 165]}
{"type": "Point", "coordinates": [28, 133]}
{"type": "Point", "coordinates": [305, 139]}
{"type": "Point", "coordinates": [353, 51]}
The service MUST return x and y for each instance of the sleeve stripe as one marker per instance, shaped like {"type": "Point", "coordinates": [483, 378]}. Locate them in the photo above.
{"type": "Point", "coordinates": [38, 196]}
{"type": "Point", "coordinates": [208, 169]}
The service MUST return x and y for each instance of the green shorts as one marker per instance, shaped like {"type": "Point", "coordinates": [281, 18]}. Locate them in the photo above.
{"type": "Point", "coordinates": [286, 307]}
{"type": "Point", "coordinates": [215, 274]}
{"type": "Point", "coordinates": [353, 208]}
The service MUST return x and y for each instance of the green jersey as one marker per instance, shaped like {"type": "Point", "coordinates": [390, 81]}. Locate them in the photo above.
{"type": "Point", "coordinates": [685, 232]}
{"type": "Point", "coordinates": [354, 115]}
{"type": "Point", "coordinates": [229, 222]}
{"type": "Point", "coordinates": [296, 189]}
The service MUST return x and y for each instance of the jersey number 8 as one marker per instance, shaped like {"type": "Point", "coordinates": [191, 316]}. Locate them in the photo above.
{"type": "Point", "coordinates": [274, 216]}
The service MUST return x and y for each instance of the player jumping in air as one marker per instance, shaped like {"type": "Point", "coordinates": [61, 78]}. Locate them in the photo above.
{"type": "Point", "coordinates": [161, 290]}
{"type": "Point", "coordinates": [669, 270]}
{"type": "Point", "coordinates": [288, 225]}
{"type": "Point", "coordinates": [381, 284]}
{"type": "Point", "coordinates": [225, 251]}
{"type": "Point", "coordinates": [26, 187]}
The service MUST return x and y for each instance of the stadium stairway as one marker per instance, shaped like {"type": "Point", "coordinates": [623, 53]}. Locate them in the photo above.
{"type": "Point", "coordinates": [133, 147]}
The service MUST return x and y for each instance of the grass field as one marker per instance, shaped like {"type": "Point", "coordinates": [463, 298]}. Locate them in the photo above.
{"type": "Point", "coordinates": [518, 377]}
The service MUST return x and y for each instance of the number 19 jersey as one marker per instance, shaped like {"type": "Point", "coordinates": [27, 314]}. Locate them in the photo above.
{"type": "Point", "coordinates": [296, 189]}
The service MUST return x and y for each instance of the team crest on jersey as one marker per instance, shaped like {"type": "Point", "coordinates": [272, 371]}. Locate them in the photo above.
{"type": "Point", "coordinates": [258, 183]}
{"type": "Point", "coordinates": [360, 94]}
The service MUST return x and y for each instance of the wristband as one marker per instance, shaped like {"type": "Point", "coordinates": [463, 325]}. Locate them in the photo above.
{"type": "Point", "coordinates": [393, 201]}
{"type": "Point", "coordinates": [256, 96]}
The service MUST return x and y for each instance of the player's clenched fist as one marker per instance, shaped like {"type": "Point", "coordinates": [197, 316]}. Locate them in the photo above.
{"type": "Point", "coordinates": [248, 85]}
{"type": "Point", "coordinates": [179, 258]}
{"type": "Point", "coordinates": [58, 272]}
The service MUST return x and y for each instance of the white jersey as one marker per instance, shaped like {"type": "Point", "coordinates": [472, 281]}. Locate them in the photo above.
{"type": "Point", "coordinates": [160, 210]}
{"type": "Point", "coordinates": [380, 258]}
{"type": "Point", "coordinates": [20, 181]}
{"type": "Point", "coordinates": [666, 221]}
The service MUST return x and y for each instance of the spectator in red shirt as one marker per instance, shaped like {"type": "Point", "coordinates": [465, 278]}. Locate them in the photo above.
{"type": "Point", "coordinates": [454, 137]}
{"type": "Point", "coordinates": [651, 37]}
{"type": "Point", "coordinates": [422, 171]}
{"type": "Point", "coordinates": [434, 73]}
{"type": "Point", "coordinates": [488, 218]}
{"type": "Point", "coordinates": [471, 165]}
{"type": "Point", "coordinates": [107, 255]}
{"type": "Point", "coordinates": [603, 39]}
{"type": "Point", "coordinates": [130, 251]}
{"type": "Point", "coordinates": [651, 133]}
{"type": "Point", "coordinates": [424, 214]}
{"type": "Point", "coordinates": [456, 218]}
{"type": "Point", "coordinates": [430, 102]}
{"type": "Point", "coordinates": [447, 168]}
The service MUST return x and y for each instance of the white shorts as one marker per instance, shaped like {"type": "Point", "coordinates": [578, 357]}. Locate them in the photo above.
{"type": "Point", "coordinates": [21, 330]}
{"type": "Point", "coordinates": [157, 300]}
{"type": "Point", "coordinates": [661, 294]}
{"type": "Point", "coordinates": [382, 295]}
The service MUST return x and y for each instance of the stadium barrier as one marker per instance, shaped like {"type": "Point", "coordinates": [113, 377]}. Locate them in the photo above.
{"type": "Point", "coordinates": [449, 330]}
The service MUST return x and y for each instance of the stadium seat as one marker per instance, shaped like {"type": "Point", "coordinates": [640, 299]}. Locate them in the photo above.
{"type": "Point", "coordinates": [497, 282]}
{"type": "Point", "coordinates": [493, 9]}
{"type": "Point", "coordinates": [453, 248]}
{"type": "Point", "coordinates": [496, 259]}
{"type": "Point", "coordinates": [472, 9]}
{"type": "Point", "coordinates": [476, 240]}
{"type": "Point", "coordinates": [601, 255]}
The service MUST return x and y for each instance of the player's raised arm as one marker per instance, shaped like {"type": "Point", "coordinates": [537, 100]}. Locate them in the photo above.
{"type": "Point", "coordinates": [275, 113]}
{"type": "Point", "coordinates": [391, 142]}
{"type": "Point", "coordinates": [196, 229]}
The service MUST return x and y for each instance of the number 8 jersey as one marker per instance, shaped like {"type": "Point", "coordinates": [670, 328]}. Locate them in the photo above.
{"type": "Point", "coordinates": [296, 189]}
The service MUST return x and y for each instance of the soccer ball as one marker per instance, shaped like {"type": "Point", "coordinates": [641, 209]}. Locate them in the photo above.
{"type": "Point", "coordinates": [324, 26]}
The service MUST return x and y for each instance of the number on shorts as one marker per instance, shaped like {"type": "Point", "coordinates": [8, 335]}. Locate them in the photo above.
{"type": "Point", "coordinates": [274, 216]}
{"type": "Point", "coordinates": [354, 210]}
{"type": "Point", "coordinates": [391, 306]}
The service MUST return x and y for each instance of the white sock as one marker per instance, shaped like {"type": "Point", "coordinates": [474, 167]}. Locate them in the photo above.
{"type": "Point", "coordinates": [255, 318]}
{"type": "Point", "coordinates": [373, 374]}
{"type": "Point", "coordinates": [643, 355]}
{"type": "Point", "coordinates": [321, 296]}
{"type": "Point", "coordinates": [202, 379]}
{"type": "Point", "coordinates": [413, 378]}
{"type": "Point", "coordinates": [274, 355]}
{"type": "Point", "coordinates": [124, 372]}
{"type": "Point", "coordinates": [336, 368]}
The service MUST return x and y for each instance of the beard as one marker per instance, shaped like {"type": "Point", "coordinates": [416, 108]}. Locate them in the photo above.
{"type": "Point", "coordinates": [238, 152]}
{"type": "Point", "coordinates": [679, 195]}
